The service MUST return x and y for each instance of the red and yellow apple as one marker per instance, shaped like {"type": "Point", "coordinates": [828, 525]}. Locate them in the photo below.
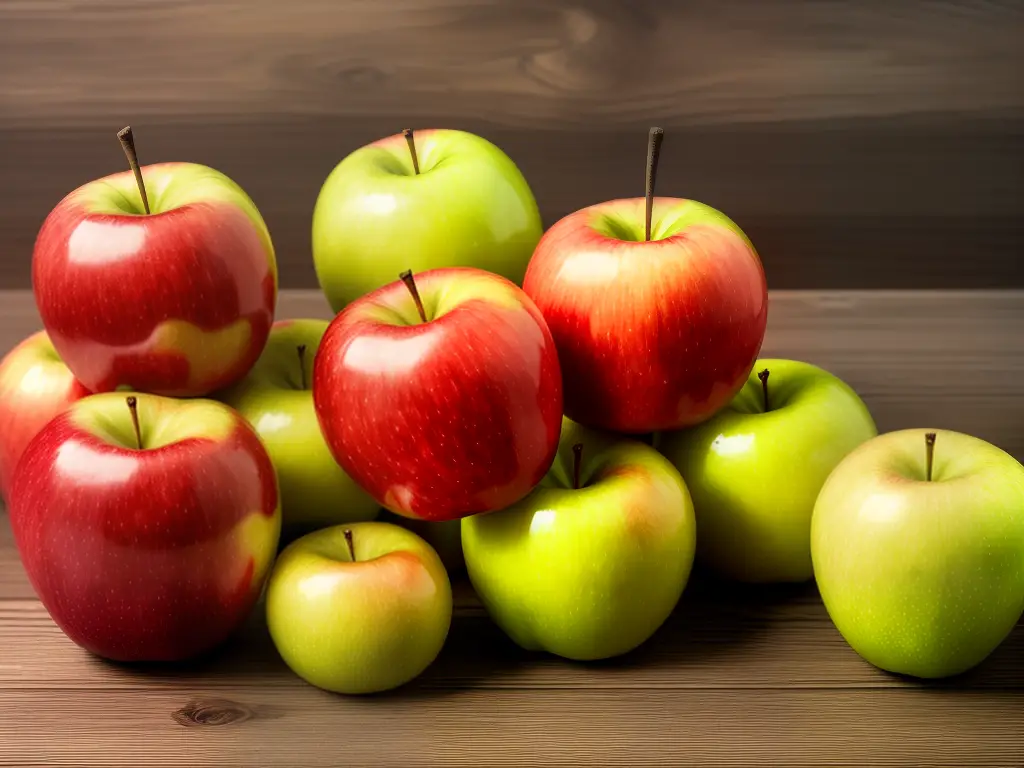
{"type": "Point", "coordinates": [146, 525]}
{"type": "Point", "coordinates": [441, 394]}
{"type": "Point", "coordinates": [35, 386]}
{"type": "Point", "coordinates": [653, 332]}
{"type": "Point", "coordinates": [175, 301]}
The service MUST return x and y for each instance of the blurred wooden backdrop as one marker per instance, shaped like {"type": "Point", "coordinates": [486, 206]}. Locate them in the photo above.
{"type": "Point", "coordinates": [861, 143]}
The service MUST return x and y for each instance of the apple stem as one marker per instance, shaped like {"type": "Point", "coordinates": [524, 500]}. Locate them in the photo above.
{"type": "Point", "coordinates": [127, 140]}
{"type": "Point", "coordinates": [929, 452]}
{"type": "Point", "coordinates": [763, 376]}
{"type": "Point", "coordinates": [411, 141]}
{"type": "Point", "coordinates": [133, 407]}
{"type": "Point", "coordinates": [301, 349]}
{"type": "Point", "coordinates": [577, 459]}
{"type": "Point", "coordinates": [653, 151]}
{"type": "Point", "coordinates": [410, 283]}
{"type": "Point", "coordinates": [351, 546]}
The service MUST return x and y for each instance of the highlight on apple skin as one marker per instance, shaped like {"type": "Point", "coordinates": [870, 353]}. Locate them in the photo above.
{"type": "Point", "coordinates": [754, 469]}
{"type": "Point", "coordinates": [359, 608]}
{"type": "Point", "coordinates": [168, 524]}
{"type": "Point", "coordinates": [176, 301]}
{"type": "Point", "coordinates": [918, 547]}
{"type": "Point", "coordinates": [421, 200]}
{"type": "Point", "coordinates": [594, 560]}
{"type": "Point", "coordinates": [35, 386]}
{"type": "Point", "coordinates": [276, 398]}
{"type": "Point", "coordinates": [440, 394]}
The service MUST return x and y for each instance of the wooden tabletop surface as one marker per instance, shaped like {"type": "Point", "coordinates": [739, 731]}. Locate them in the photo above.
{"type": "Point", "coordinates": [737, 677]}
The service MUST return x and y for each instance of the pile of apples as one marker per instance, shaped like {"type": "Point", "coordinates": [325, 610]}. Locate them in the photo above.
{"type": "Point", "coordinates": [571, 416]}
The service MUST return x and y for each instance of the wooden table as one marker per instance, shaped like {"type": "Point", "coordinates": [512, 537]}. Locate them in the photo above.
{"type": "Point", "coordinates": [737, 677]}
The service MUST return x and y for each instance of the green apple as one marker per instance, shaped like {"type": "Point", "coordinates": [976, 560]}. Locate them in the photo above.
{"type": "Point", "coordinates": [918, 547]}
{"type": "Point", "coordinates": [276, 399]}
{"type": "Point", "coordinates": [361, 608]}
{"type": "Point", "coordinates": [461, 203]}
{"type": "Point", "coordinates": [445, 536]}
{"type": "Point", "coordinates": [755, 468]}
{"type": "Point", "coordinates": [592, 562]}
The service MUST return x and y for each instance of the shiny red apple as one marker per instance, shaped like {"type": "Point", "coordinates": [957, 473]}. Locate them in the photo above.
{"type": "Point", "coordinates": [146, 525]}
{"type": "Point", "coordinates": [441, 394]}
{"type": "Point", "coordinates": [35, 386]}
{"type": "Point", "coordinates": [657, 305]}
{"type": "Point", "coordinates": [171, 293]}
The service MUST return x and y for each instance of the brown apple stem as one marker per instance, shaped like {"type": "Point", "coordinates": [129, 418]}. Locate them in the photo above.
{"type": "Point", "coordinates": [929, 453]}
{"type": "Point", "coordinates": [763, 376]}
{"type": "Point", "coordinates": [128, 145]}
{"type": "Point", "coordinates": [351, 546]}
{"type": "Point", "coordinates": [301, 349]}
{"type": "Point", "coordinates": [133, 407]}
{"type": "Point", "coordinates": [411, 141]}
{"type": "Point", "coordinates": [577, 459]}
{"type": "Point", "coordinates": [410, 283]}
{"type": "Point", "coordinates": [654, 139]}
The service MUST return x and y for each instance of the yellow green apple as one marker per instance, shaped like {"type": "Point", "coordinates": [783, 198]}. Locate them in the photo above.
{"type": "Point", "coordinates": [359, 608]}
{"type": "Point", "coordinates": [918, 548]}
{"type": "Point", "coordinates": [276, 398]}
{"type": "Point", "coordinates": [429, 199]}
{"type": "Point", "coordinates": [592, 562]}
{"type": "Point", "coordinates": [754, 469]}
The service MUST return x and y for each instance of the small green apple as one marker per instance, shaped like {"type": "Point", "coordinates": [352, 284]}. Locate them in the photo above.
{"type": "Point", "coordinates": [461, 203]}
{"type": "Point", "coordinates": [918, 547]}
{"type": "Point", "coordinates": [756, 467]}
{"type": "Point", "coordinates": [277, 400]}
{"type": "Point", "coordinates": [592, 562]}
{"type": "Point", "coordinates": [360, 608]}
{"type": "Point", "coordinates": [445, 536]}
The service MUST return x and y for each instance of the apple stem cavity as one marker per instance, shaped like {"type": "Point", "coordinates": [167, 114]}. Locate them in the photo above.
{"type": "Point", "coordinates": [301, 349]}
{"type": "Point", "coordinates": [411, 141]}
{"type": "Point", "coordinates": [763, 376]}
{"type": "Point", "coordinates": [410, 283]}
{"type": "Point", "coordinates": [351, 546]}
{"type": "Point", "coordinates": [654, 139]}
{"type": "Point", "coordinates": [133, 408]}
{"type": "Point", "coordinates": [577, 460]}
{"type": "Point", "coordinates": [127, 140]}
{"type": "Point", "coordinates": [929, 453]}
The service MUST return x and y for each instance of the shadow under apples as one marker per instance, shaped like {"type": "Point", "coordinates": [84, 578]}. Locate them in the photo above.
{"type": "Point", "coordinates": [714, 618]}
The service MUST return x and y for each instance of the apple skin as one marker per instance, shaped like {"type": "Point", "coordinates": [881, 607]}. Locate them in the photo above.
{"type": "Point", "coordinates": [754, 476]}
{"type": "Point", "coordinates": [176, 303]}
{"type": "Point", "coordinates": [374, 217]}
{"type": "Point", "coordinates": [922, 578]}
{"type": "Point", "coordinates": [652, 335]}
{"type": "Point", "coordinates": [276, 398]}
{"type": "Point", "coordinates": [35, 386]}
{"type": "Point", "coordinates": [445, 537]}
{"type": "Point", "coordinates": [593, 573]}
{"type": "Point", "coordinates": [157, 554]}
{"type": "Point", "coordinates": [359, 627]}
{"type": "Point", "coordinates": [447, 418]}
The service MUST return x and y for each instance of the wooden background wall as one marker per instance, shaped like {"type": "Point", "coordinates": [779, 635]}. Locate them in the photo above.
{"type": "Point", "coordinates": [861, 143]}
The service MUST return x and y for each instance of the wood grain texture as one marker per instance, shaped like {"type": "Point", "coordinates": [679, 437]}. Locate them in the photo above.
{"type": "Point", "coordinates": [737, 676]}
{"type": "Point", "coordinates": [265, 726]}
{"type": "Point", "coordinates": [860, 144]}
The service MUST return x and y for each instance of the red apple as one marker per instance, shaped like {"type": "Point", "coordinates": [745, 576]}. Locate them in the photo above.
{"type": "Point", "coordinates": [442, 396]}
{"type": "Point", "coordinates": [35, 386]}
{"type": "Point", "coordinates": [146, 525]}
{"type": "Point", "coordinates": [172, 294]}
{"type": "Point", "coordinates": [654, 331]}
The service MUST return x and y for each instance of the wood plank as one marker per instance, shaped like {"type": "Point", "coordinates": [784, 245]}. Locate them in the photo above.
{"type": "Point", "coordinates": [860, 144]}
{"type": "Point", "coordinates": [255, 725]}
{"type": "Point", "coordinates": [526, 62]}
